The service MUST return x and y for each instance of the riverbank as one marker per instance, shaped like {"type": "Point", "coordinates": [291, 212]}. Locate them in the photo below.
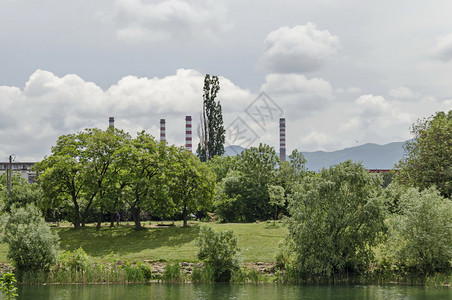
{"type": "Point", "coordinates": [164, 242]}
{"type": "Point", "coordinates": [122, 254]}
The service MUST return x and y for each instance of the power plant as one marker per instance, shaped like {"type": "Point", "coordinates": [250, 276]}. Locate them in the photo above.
{"type": "Point", "coordinates": [162, 130]}
{"type": "Point", "coordinates": [189, 135]}
{"type": "Point", "coordinates": [282, 139]}
{"type": "Point", "coordinates": [188, 132]}
{"type": "Point", "coordinates": [24, 168]}
{"type": "Point", "coordinates": [111, 122]}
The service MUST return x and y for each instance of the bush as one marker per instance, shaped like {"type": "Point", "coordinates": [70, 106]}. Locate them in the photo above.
{"type": "Point", "coordinates": [337, 217]}
{"type": "Point", "coordinates": [23, 194]}
{"type": "Point", "coordinates": [420, 236]}
{"type": "Point", "coordinates": [7, 285]}
{"type": "Point", "coordinates": [32, 246]}
{"type": "Point", "coordinates": [219, 251]}
{"type": "Point", "coordinates": [76, 260]}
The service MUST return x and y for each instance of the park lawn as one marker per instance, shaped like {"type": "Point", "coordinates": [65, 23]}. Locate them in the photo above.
{"type": "Point", "coordinates": [258, 242]}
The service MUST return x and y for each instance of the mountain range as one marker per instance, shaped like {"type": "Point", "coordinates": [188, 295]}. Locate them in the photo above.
{"type": "Point", "coordinates": [372, 156]}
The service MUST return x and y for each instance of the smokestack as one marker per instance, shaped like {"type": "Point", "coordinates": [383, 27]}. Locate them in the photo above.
{"type": "Point", "coordinates": [111, 122]}
{"type": "Point", "coordinates": [282, 139]}
{"type": "Point", "coordinates": [162, 130]}
{"type": "Point", "coordinates": [188, 141]}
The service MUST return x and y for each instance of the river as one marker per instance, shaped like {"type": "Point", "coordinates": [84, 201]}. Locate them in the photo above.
{"type": "Point", "coordinates": [230, 291]}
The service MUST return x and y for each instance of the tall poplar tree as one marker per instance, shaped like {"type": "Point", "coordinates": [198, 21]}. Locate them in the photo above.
{"type": "Point", "coordinates": [212, 132]}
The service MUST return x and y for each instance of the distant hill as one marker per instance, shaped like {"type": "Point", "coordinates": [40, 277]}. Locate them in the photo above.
{"type": "Point", "coordinates": [372, 156]}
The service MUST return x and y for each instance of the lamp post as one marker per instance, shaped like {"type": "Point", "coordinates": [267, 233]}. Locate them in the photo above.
{"type": "Point", "coordinates": [9, 173]}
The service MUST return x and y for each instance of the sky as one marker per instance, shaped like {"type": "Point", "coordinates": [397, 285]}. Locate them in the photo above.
{"type": "Point", "coordinates": [341, 72]}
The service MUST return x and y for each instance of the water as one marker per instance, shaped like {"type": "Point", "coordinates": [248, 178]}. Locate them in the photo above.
{"type": "Point", "coordinates": [230, 291]}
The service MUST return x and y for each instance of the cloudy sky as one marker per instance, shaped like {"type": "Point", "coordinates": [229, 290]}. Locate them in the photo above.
{"type": "Point", "coordinates": [342, 72]}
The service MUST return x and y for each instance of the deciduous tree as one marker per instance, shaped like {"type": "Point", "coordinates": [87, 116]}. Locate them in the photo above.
{"type": "Point", "coordinates": [191, 184]}
{"type": "Point", "coordinates": [62, 176]}
{"type": "Point", "coordinates": [428, 157]}
{"type": "Point", "coordinates": [146, 177]}
{"type": "Point", "coordinates": [420, 235]}
{"type": "Point", "coordinates": [83, 169]}
{"type": "Point", "coordinates": [337, 217]}
{"type": "Point", "coordinates": [212, 132]}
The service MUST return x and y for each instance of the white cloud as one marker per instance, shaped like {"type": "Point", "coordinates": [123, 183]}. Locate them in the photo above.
{"type": "Point", "coordinates": [139, 21]}
{"type": "Point", "coordinates": [373, 104]}
{"type": "Point", "coordinates": [318, 140]}
{"type": "Point", "coordinates": [297, 94]}
{"type": "Point", "coordinates": [402, 92]}
{"type": "Point", "coordinates": [50, 106]}
{"type": "Point", "coordinates": [349, 90]}
{"type": "Point", "coordinates": [380, 118]}
{"type": "Point", "coordinates": [302, 48]}
{"type": "Point", "coordinates": [443, 48]}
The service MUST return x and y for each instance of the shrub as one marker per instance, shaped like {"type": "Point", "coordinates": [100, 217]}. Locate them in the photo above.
{"type": "Point", "coordinates": [32, 246]}
{"type": "Point", "coordinates": [421, 234]}
{"type": "Point", "coordinates": [220, 251]}
{"type": "Point", "coordinates": [76, 260]}
{"type": "Point", "coordinates": [7, 285]}
{"type": "Point", "coordinates": [337, 217]}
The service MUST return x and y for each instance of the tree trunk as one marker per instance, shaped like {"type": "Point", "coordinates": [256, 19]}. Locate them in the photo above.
{"type": "Point", "coordinates": [99, 220]}
{"type": "Point", "coordinates": [77, 215]}
{"type": "Point", "coordinates": [136, 217]}
{"type": "Point", "coordinates": [86, 211]}
{"type": "Point", "coordinates": [184, 214]}
{"type": "Point", "coordinates": [112, 219]}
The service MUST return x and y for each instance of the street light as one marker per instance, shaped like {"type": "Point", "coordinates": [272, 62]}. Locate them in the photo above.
{"type": "Point", "coordinates": [9, 173]}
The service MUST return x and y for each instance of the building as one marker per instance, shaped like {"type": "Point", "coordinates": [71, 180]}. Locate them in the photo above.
{"type": "Point", "coordinates": [24, 168]}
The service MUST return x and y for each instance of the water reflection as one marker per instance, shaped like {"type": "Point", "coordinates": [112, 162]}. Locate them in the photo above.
{"type": "Point", "coordinates": [228, 291]}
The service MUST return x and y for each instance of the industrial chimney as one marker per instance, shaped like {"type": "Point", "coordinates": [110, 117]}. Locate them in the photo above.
{"type": "Point", "coordinates": [282, 139]}
{"type": "Point", "coordinates": [111, 122]}
{"type": "Point", "coordinates": [162, 130]}
{"type": "Point", "coordinates": [188, 136]}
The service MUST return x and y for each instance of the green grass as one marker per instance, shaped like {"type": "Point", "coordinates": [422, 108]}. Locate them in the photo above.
{"type": "Point", "coordinates": [257, 241]}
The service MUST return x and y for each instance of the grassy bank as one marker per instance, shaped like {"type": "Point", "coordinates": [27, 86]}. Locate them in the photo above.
{"type": "Point", "coordinates": [258, 242]}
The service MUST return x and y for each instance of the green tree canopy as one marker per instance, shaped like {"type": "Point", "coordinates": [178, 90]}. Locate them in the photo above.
{"type": "Point", "coordinates": [22, 193]}
{"type": "Point", "coordinates": [145, 177]}
{"type": "Point", "coordinates": [428, 157]}
{"type": "Point", "coordinates": [191, 184]}
{"type": "Point", "coordinates": [243, 194]}
{"type": "Point", "coordinates": [103, 160]}
{"type": "Point", "coordinates": [62, 177]}
{"type": "Point", "coordinates": [337, 217]}
{"type": "Point", "coordinates": [212, 132]}
{"type": "Point", "coordinates": [83, 170]}
{"type": "Point", "coordinates": [221, 165]}
{"type": "Point", "coordinates": [420, 234]}
{"type": "Point", "coordinates": [32, 246]}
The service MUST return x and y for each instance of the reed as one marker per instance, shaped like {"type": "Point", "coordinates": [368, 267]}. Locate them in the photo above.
{"type": "Point", "coordinates": [172, 273]}
{"type": "Point", "coordinates": [204, 274]}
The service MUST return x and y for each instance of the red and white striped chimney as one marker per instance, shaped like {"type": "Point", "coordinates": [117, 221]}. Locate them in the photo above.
{"type": "Point", "coordinates": [188, 136]}
{"type": "Point", "coordinates": [111, 122]}
{"type": "Point", "coordinates": [282, 139]}
{"type": "Point", "coordinates": [162, 130]}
